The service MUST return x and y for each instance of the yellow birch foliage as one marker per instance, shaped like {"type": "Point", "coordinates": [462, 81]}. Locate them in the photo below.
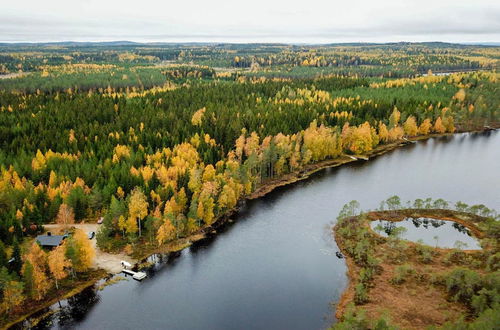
{"type": "Point", "coordinates": [12, 296]}
{"type": "Point", "coordinates": [410, 126]}
{"type": "Point", "coordinates": [198, 117]}
{"type": "Point", "coordinates": [58, 262]}
{"type": "Point", "coordinates": [449, 124]}
{"type": "Point", "coordinates": [394, 118]}
{"type": "Point", "coordinates": [38, 259]}
{"type": "Point", "coordinates": [438, 126]}
{"type": "Point", "coordinates": [166, 232]}
{"type": "Point", "coordinates": [383, 133]}
{"type": "Point", "coordinates": [138, 205]}
{"type": "Point", "coordinates": [65, 216]}
{"type": "Point", "coordinates": [425, 127]}
{"type": "Point", "coordinates": [396, 133]}
{"type": "Point", "coordinates": [84, 250]}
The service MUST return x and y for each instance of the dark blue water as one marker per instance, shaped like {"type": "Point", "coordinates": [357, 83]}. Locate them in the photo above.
{"type": "Point", "coordinates": [275, 266]}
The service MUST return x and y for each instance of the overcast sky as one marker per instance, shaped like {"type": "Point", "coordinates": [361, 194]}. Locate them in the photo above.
{"type": "Point", "coordinates": [292, 21]}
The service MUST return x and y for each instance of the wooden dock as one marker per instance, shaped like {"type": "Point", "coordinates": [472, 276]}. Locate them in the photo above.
{"type": "Point", "coordinates": [358, 157]}
{"type": "Point", "coordinates": [135, 275]}
{"type": "Point", "coordinates": [408, 141]}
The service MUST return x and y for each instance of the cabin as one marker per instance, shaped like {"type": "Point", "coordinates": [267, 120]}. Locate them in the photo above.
{"type": "Point", "coordinates": [50, 241]}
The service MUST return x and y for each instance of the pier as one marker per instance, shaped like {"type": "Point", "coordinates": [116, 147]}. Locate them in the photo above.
{"type": "Point", "coordinates": [135, 275]}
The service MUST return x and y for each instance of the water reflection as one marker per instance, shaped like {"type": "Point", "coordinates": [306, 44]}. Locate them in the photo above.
{"type": "Point", "coordinates": [275, 266]}
{"type": "Point", "coordinates": [65, 314]}
{"type": "Point", "coordinates": [430, 231]}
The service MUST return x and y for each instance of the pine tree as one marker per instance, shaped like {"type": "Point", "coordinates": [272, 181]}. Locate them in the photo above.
{"type": "Point", "coordinates": [16, 264]}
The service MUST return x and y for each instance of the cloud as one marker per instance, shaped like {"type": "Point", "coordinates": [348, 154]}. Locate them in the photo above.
{"type": "Point", "coordinates": [259, 20]}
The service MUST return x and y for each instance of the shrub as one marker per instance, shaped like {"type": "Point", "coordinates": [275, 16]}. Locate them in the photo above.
{"type": "Point", "coordinates": [352, 320]}
{"type": "Point", "coordinates": [425, 253]}
{"type": "Point", "coordinates": [493, 262]}
{"type": "Point", "coordinates": [455, 257]}
{"type": "Point", "coordinates": [360, 294]}
{"type": "Point", "coordinates": [356, 320]}
{"type": "Point", "coordinates": [462, 284]}
{"type": "Point", "coordinates": [401, 273]}
{"type": "Point", "coordinates": [366, 275]}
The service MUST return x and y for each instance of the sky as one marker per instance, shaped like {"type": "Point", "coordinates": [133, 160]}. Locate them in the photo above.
{"type": "Point", "coordinates": [287, 21]}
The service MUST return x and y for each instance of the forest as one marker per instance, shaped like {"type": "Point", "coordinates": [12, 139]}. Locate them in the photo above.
{"type": "Point", "coordinates": [162, 141]}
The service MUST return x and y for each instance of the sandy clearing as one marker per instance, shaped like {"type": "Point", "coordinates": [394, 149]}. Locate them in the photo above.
{"type": "Point", "coordinates": [110, 262]}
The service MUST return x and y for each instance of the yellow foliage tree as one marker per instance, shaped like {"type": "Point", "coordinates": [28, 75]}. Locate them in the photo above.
{"type": "Point", "coordinates": [166, 232]}
{"type": "Point", "coordinates": [137, 207]}
{"type": "Point", "coordinates": [37, 259]}
{"type": "Point", "coordinates": [394, 118]}
{"type": "Point", "coordinates": [58, 263]}
{"type": "Point", "coordinates": [357, 139]}
{"type": "Point", "coordinates": [410, 126]}
{"type": "Point", "coordinates": [449, 124]}
{"type": "Point", "coordinates": [383, 133]}
{"type": "Point", "coordinates": [65, 216]}
{"type": "Point", "coordinates": [80, 251]}
{"type": "Point", "coordinates": [460, 95]}
{"type": "Point", "coordinates": [120, 193]}
{"type": "Point", "coordinates": [122, 224]}
{"type": "Point", "coordinates": [209, 173]}
{"type": "Point", "coordinates": [396, 133]}
{"type": "Point", "coordinates": [425, 127]}
{"type": "Point", "coordinates": [12, 296]}
{"type": "Point", "coordinates": [438, 126]}
{"type": "Point", "coordinates": [198, 116]}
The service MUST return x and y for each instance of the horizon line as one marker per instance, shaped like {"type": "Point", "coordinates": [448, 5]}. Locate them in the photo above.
{"type": "Point", "coordinates": [227, 42]}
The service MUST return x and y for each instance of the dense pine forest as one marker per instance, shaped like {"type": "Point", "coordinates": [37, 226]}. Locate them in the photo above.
{"type": "Point", "coordinates": [163, 140]}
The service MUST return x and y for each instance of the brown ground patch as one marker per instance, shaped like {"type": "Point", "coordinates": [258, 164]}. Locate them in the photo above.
{"type": "Point", "coordinates": [415, 303]}
{"type": "Point", "coordinates": [410, 305]}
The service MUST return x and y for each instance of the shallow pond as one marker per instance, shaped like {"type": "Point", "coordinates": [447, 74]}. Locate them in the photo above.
{"type": "Point", "coordinates": [275, 266]}
{"type": "Point", "coordinates": [440, 233]}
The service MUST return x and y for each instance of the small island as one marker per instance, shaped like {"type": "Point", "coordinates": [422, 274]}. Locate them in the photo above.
{"type": "Point", "coordinates": [396, 283]}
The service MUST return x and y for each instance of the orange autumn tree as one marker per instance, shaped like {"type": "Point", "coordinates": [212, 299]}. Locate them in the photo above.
{"type": "Point", "coordinates": [65, 216]}
{"type": "Point", "coordinates": [425, 127]}
{"type": "Point", "coordinates": [34, 271]}
{"type": "Point", "coordinates": [438, 126]}
{"type": "Point", "coordinates": [12, 296]}
{"type": "Point", "coordinates": [58, 263]}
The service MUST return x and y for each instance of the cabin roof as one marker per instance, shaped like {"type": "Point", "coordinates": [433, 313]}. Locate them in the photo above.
{"type": "Point", "coordinates": [50, 240]}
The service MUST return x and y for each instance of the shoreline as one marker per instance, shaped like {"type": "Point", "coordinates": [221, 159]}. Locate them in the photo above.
{"type": "Point", "coordinates": [266, 188]}
{"type": "Point", "coordinates": [466, 219]}
{"type": "Point", "coordinates": [98, 275]}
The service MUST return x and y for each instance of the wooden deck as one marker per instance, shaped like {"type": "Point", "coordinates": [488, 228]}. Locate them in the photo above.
{"type": "Point", "coordinates": [135, 275]}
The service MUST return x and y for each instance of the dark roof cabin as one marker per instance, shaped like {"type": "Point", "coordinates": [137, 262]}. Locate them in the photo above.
{"type": "Point", "coordinates": [49, 240]}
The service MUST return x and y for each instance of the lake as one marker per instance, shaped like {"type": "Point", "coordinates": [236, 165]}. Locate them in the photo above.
{"type": "Point", "coordinates": [275, 266]}
{"type": "Point", "coordinates": [433, 232]}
